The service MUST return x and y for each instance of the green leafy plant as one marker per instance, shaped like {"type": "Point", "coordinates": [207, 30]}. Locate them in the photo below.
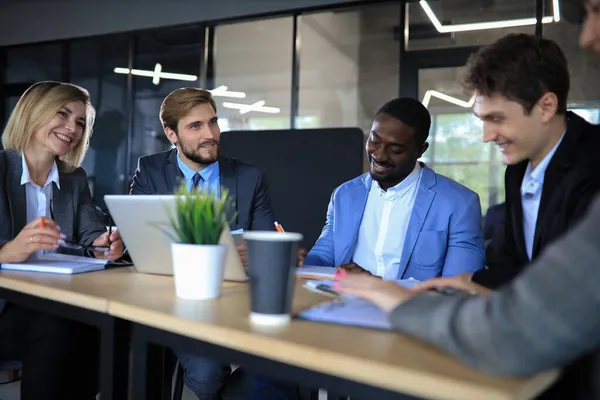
{"type": "Point", "coordinates": [199, 216]}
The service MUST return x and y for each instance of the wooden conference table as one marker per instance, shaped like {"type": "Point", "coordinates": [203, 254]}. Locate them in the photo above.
{"type": "Point", "coordinates": [363, 363]}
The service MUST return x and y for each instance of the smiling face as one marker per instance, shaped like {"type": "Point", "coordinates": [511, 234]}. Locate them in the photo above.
{"type": "Point", "coordinates": [519, 136]}
{"type": "Point", "coordinates": [392, 150]}
{"type": "Point", "coordinates": [197, 137]}
{"type": "Point", "coordinates": [63, 132]}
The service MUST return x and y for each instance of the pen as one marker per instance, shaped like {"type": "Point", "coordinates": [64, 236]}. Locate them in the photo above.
{"type": "Point", "coordinates": [109, 229]}
{"type": "Point", "coordinates": [279, 227]}
{"type": "Point", "coordinates": [42, 222]}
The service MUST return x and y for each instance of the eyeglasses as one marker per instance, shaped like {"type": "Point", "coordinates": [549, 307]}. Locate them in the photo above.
{"type": "Point", "coordinates": [78, 246]}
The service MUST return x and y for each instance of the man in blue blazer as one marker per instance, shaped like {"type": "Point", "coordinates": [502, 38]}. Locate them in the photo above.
{"type": "Point", "coordinates": [401, 220]}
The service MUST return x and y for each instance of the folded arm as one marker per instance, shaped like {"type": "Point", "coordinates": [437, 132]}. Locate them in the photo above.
{"type": "Point", "coordinates": [465, 242]}
{"type": "Point", "coordinates": [322, 252]}
{"type": "Point", "coordinates": [263, 217]}
{"type": "Point", "coordinates": [140, 184]}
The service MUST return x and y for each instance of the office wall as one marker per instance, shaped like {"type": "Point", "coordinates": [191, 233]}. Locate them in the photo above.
{"type": "Point", "coordinates": [29, 21]}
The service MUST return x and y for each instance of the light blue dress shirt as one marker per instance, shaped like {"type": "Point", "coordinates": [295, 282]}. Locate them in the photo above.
{"type": "Point", "coordinates": [384, 224]}
{"type": "Point", "coordinates": [531, 195]}
{"type": "Point", "coordinates": [210, 181]}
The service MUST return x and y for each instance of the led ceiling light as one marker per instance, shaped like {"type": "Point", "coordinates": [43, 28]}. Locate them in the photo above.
{"type": "Point", "coordinates": [223, 92]}
{"type": "Point", "coordinates": [476, 26]}
{"type": "Point", "coordinates": [442, 96]}
{"type": "Point", "coordinates": [259, 106]}
{"type": "Point", "coordinates": [157, 74]}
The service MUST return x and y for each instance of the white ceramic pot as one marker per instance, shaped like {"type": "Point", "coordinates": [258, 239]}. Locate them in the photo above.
{"type": "Point", "coordinates": [198, 270]}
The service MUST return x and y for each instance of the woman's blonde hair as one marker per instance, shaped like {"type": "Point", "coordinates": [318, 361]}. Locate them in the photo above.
{"type": "Point", "coordinates": [36, 108]}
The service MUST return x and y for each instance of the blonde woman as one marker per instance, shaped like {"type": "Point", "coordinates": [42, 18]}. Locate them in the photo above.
{"type": "Point", "coordinates": [45, 203]}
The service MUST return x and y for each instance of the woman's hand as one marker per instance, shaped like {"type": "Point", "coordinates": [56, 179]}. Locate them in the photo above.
{"type": "Point", "coordinates": [116, 246]}
{"type": "Point", "coordinates": [39, 234]}
{"type": "Point", "coordinates": [387, 295]}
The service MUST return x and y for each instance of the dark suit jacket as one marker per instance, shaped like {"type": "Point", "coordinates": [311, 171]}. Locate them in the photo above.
{"type": "Point", "coordinates": [74, 210]}
{"type": "Point", "coordinates": [570, 183]}
{"type": "Point", "coordinates": [159, 174]}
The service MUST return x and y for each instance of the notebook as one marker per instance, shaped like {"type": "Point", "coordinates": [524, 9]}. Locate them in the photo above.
{"type": "Point", "coordinates": [57, 263]}
{"type": "Point", "coordinates": [350, 310]}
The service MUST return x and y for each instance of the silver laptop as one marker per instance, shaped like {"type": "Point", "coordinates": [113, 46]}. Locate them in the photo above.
{"type": "Point", "coordinates": [142, 219]}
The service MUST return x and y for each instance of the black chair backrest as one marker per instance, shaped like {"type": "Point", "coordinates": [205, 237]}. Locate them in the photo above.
{"type": "Point", "coordinates": [303, 168]}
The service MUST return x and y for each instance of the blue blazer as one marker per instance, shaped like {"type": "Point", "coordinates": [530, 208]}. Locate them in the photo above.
{"type": "Point", "coordinates": [444, 236]}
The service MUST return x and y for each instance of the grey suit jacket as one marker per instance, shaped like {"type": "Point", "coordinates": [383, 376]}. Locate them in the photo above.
{"type": "Point", "coordinates": [74, 210]}
{"type": "Point", "coordinates": [246, 183]}
{"type": "Point", "coordinates": [548, 317]}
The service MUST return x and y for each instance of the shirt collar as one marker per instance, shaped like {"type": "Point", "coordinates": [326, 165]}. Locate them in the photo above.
{"type": "Point", "coordinates": [52, 176]}
{"type": "Point", "coordinates": [537, 175]}
{"type": "Point", "coordinates": [403, 187]}
{"type": "Point", "coordinates": [205, 173]}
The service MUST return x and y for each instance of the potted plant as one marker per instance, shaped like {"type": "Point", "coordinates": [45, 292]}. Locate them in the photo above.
{"type": "Point", "coordinates": [197, 223]}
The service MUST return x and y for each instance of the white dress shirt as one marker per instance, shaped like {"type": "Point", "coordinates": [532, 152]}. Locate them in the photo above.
{"type": "Point", "coordinates": [38, 198]}
{"type": "Point", "coordinates": [531, 195]}
{"type": "Point", "coordinates": [384, 225]}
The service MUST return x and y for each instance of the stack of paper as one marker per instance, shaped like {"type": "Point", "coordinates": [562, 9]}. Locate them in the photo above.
{"type": "Point", "coordinates": [348, 310]}
{"type": "Point", "coordinates": [315, 272]}
{"type": "Point", "coordinates": [57, 263]}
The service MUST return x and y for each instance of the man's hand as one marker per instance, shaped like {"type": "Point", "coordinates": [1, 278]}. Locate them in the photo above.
{"type": "Point", "coordinates": [460, 282]}
{"type": "Point", "coordinates": [353, 268]}
{"type": "Point", "coordinates": [241, 249]}
{"type": "Point", "coordinates": [301, 256]}
{"type": "Point", "coordinates": [387, 295]}
{"type": "Point", "coordinates": [116, 246]}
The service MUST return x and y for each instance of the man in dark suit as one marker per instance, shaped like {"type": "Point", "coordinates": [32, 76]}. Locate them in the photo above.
{"type": "Point", "coordinates": [189, 118]}
{"type": "Point", "coordinates": [521, 84]}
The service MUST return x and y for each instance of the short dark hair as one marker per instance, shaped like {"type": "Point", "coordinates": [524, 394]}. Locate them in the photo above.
{"type": "Point", "coordinates": [521, 68]}
{"type": "Point", "coordinates": [411, 113]}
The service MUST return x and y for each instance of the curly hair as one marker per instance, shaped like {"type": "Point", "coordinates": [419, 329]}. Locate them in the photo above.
{"type": "Point", "coordinates": [521, 68]}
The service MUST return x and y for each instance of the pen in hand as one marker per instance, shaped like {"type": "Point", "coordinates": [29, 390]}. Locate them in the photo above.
{"type": "Point", "coordinates": [279, 227]}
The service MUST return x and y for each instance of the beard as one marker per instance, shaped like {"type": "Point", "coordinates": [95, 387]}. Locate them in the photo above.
{"type": "Point", "coordinates": [195, 154]}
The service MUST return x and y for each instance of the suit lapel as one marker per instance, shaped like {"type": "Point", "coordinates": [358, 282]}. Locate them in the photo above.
{"type": "Point", "coordinates": [16, 192]}
{"type": "Point", "coordinates": [514, 178]}
{"type": "Point", "coordinates": [423, 200]}
{"type": "Point", "coordinates": [557, 169]}
{"type": "Point", "coordinates": [229, 180]}
{"type": "Point", "coordinates": [173, 175]}
{"type": "Point", "coordinates": [359, 202]}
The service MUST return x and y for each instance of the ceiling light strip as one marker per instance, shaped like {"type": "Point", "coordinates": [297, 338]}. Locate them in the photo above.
{"type": "Point", "coordinates": [477, 26]}
{"type": "Point", "coordinates": [442, 96]}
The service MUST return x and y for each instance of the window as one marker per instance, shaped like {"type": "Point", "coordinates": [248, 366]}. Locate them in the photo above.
{"type": "Point", "coordinates": [92, 66]}
{"type": "Point", "coordinates": [349, 65]}
{"type": "Point", "coordinates": [584, 96]}
{"type": "Point", "coordinates": [254, 61]}
{"type": "Point", "coordinates": [456, 138]}
{"type": "Point", "coordinates": [33, 63]}
{"type": "Point", "coordinates": [437, 24]}
{"type": "Point", "coordinates": [172, 50]}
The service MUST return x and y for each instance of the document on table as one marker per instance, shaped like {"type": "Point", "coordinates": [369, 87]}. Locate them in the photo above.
{"type": "Point", "coordinates": [350, 310]}
{"type": "Point", "coordinates": [315, 272]}
{"type": "Point", "coordinates": [57, 263]}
